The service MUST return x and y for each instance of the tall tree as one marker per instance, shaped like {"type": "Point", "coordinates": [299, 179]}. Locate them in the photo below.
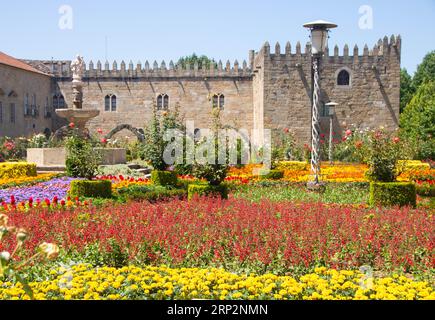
{"type": "Point", "coordinates": [425, 71]}
{"type": "Point", "coordinates": [407, 89]}
{"type": "Point", "coordinates": [418, 120]}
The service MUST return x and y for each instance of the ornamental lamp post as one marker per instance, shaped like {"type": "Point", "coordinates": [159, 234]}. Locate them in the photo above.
{"type": "Point", "coordinates": [319, 40]}
{"type": "Point", "coordinates": [331, 111]}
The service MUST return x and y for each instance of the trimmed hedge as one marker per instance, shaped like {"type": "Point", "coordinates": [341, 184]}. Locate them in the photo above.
{"type": "Point", "coordinates": [151, 193]}
{"type": "Point", "coordinates": [10, 170]}
{"type": "Point", "coordinates": [392, 194]}
{"type": "Point", "coordinates": [208, 190]}
{"type": "Point", "coordinates": [91, 189]}
{"type": "Point", "coordinates": [164, 178]}
{"type": "Point", "coordinates": [293, 165]}
{"type": "Point", "coordinates": [272, 175]}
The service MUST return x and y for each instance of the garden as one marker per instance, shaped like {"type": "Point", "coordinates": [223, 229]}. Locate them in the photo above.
{"type": "Point", "coordinates": [219, 230]}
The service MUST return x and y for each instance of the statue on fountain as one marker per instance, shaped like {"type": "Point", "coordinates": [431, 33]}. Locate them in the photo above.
{"type": "Point", "coordinates": [76, 114]}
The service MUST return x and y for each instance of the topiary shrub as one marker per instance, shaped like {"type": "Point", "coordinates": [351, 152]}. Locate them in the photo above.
{"type": "Point", "coordinates": [392, 194]}
{"type": "Point", "coordinates": [220, 190]}
{"type": "Point", "coordinates": [91, 189]}
{"type": "Point", "coordinates": [164, 178]}
{"type": "Point", "coordinates": [9, 170]}
{"type": "Point", "coordinates": [272, 175]}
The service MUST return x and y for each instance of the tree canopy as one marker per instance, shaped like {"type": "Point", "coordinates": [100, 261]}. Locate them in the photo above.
{"type": "Point", "coordinates": [203, 61]}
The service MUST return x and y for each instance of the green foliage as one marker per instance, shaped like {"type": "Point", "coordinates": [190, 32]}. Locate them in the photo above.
{"type": "Point", "coordinates": [164, 178]}
{"type": "Point", "coordinates": [203, 61]}
{"type": "Point", "coordinates": [155, 144]}
{"type": "Point", "coordinates": [278, 191]}
{"type": "Point", "coordinates": [384, 152]}
{"type": "Point", "coordinates": [425, 71]}
{"type": "Point", "coordinates": [150, 193]}
{"type": "Point", "coordinates": [284, 147]}
{"type": "Point", "coordinates": [81, 160]}
{"type": "Point", "coordinates": [91, 189]}
{"type": "Point", "coordinates": [220, 190]}
{"type": "Point", "coordinates": [418, 121]}
{"type": "Point", "coordinates": [212, 170]}
{"type": "Point", "coordinates": [392, 194]}
{"type": "Point", "coordinates": [272, 175]}
{"type": "Point", "coordinates": [407, 89]}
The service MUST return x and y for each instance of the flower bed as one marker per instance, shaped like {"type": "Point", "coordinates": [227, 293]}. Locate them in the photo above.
{"type": "Point", "coordinates": [338, 172]}
{"type": "Point", "coordinates": [14, 182]}
{"type": "Point", "coordinates": [57, 187]}
{"type": "Point", "coordinates": [84, 282]}
{"type": "Point", "coordinates": [263, 236]}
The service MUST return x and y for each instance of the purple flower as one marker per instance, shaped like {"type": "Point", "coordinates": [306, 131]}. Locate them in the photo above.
{"type": "Point", "coordinates": [49, 189]}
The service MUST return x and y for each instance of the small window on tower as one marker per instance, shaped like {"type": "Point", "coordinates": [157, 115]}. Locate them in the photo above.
{"type": "Point", "coordinates": [343, 78]}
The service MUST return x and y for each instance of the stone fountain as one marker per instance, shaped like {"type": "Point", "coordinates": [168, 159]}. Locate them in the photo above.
{"type": "Point", "coordinates": [53, 159]}
{"type": "Point", "coordinates": [77, 114]}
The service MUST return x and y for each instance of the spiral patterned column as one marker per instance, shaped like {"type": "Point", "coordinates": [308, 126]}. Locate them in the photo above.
{"type": "Point", "coordinates": [315, 125]}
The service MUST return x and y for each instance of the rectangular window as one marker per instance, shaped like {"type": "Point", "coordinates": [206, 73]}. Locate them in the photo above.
{"type": "Point", "coordinates": [12, 112]}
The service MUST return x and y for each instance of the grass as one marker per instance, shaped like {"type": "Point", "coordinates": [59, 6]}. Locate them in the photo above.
{"type": "Point", "coordinates": [341, 193]}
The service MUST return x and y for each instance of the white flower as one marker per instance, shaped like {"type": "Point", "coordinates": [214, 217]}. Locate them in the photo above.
{"type": "Point", "coordinates": [5, 256]}
{"type": "Point", "coordinates": [49, 249]}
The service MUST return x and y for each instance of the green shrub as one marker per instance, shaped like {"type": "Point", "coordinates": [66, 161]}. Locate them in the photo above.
{"type": "Point", "coordinates": [91, 189]}
{"type": "Point", "coordinates": [82, 160]}
{"type": "Point", "coordinates": [164, 178]}
{"type": "Point", "coordinates": [425, 190]}
{"type": "Point", "coordinates": [220, 190]}
{"type": "Point", "coordinates": [272, 175]}
{"type": "Point", "coordinates": [392, 194]}
{"type": "Point", "coordinates": [150, 193]}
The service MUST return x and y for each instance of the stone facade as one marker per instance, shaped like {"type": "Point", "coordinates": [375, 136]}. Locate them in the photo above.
{"type": "Point", "coordinates": [25, 102]}
{"type": "Point", "coordinates": [271, 91]}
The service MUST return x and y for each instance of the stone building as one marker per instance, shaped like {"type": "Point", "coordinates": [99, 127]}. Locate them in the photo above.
{"type": "Point", "coordinates": [25, 98]}
{"type": "Point", "coordinates": [271, 90]}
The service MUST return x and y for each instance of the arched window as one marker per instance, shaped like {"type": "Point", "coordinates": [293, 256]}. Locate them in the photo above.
{"type": "Point", "coordinates": [218, 100]}
{"type": "Point", "coordinates": [343, 78]}
{"type": "Point", "coordinates": [162, 102]}
{"type": "Point", "coordinates": [58, 101]}
{"type": "Point", "coordinates": [110, 103]}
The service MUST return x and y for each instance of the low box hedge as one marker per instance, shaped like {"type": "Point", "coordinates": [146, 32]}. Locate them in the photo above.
{"type": "Point", "coordinates": [293, 165]}
{"type": "Point", "coordinates": [10, 170]}
{"type": "Point", "coordinates": [164, 178]}
{"type": "Point", "coordinates": [207, 190]}
{"type": "Point", "coordinates": [271, 175]}
{"type": "Point", "coordinates": [392, 194]}
{"type": "Point", "coordinates": [91, 189]}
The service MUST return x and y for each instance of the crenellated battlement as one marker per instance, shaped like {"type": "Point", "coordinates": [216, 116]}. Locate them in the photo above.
{"type": "Point", "coordinates": [123, 70]}
{"type": "Point", "coordinates": [384, 49]}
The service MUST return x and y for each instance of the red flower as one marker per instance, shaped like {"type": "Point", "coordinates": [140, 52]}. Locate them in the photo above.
{"type": "Point", "coordinates": [396, 140]}
{"type": "Point", "coordinates": [348, 133]}
{"type": "Point", "coordinates": [286, 130]}
{"type": "Point", "coordinates": [71, 125]}
{"type": "Point", "coordinates": [100, 131]}
{"type": "Point", "coordinates": [62, 203]}
{"type": "Point", "coordinates": [104, 141]}
{"type": "Point", "coordinates": [322, 135]}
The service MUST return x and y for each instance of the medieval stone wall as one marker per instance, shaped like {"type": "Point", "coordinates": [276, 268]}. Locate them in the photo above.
{"type": "Point", "coordinates": [370, 100]}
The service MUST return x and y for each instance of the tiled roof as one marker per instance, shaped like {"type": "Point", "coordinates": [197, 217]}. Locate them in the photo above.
{"type": "Point", "coordinates": [10, 61]}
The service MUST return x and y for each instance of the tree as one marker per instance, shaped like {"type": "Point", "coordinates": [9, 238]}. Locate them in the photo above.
{"type": "Point", "coordinates": [425, 71]}
{"type": "Point", "coordinates": [418, 120]}
{"type": "Point", "coordinates": [407, 89]}
{"type": "Point", "coordinates": [203, 61]}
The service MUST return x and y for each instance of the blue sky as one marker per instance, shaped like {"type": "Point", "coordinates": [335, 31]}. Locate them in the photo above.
{"type": "Point", "coordinates": [223, 29]}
